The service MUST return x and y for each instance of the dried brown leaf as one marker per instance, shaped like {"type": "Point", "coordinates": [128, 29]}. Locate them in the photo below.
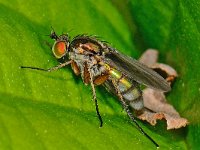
{"type": "Point", "coordinates": [155, 103]}
{"type": "Point", "coordinates": [149, 57]}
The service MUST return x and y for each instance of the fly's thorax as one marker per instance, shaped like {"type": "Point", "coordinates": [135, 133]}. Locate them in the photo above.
{"type": "Point", "coordinates": [86, 45]}
{"type": "Point", "coordinates": [88, 65]}
{"type": "Point", "coordinates": [87, 50]}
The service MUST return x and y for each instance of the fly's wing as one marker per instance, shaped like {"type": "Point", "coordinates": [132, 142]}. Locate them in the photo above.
{"type": "Point", "coordinates": [136, 71]}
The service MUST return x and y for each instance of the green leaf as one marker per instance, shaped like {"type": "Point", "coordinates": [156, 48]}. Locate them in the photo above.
{"type": "Point", "coordinates": [185, 47]}
{"type": "Point", "coordinates": [40, 110]}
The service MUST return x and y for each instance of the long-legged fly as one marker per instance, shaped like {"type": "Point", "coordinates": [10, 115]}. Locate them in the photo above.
{"type": "Point", "coordinates": [100, 64]}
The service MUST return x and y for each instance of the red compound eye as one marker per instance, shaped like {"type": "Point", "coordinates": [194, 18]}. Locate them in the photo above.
{"type": "Point", "coordinates": [59, 49]}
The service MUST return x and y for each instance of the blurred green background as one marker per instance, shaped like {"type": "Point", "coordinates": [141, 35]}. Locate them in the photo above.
{"type": "Point", "coordinates": [40, 110]}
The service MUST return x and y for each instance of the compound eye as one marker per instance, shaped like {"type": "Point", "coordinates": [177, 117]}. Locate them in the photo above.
{"type": "Point", "coordinates": [59, 49]}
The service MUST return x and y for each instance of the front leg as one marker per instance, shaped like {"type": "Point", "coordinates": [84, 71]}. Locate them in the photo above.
{"type": "Point", "coordinates": [49, 69]}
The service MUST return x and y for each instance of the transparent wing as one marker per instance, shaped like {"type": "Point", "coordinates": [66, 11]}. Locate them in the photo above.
{"type": "Point", "coordinates": [136, 71]}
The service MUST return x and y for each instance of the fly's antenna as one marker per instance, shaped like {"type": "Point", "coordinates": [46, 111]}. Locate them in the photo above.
{"type": "Point", "coordinates": [53, 34]}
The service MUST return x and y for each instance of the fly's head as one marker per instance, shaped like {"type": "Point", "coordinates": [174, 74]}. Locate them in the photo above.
{"type": "Point", "coordinates": [61, 45]}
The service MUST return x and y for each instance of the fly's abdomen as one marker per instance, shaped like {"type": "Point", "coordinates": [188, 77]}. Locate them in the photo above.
{"type": "Point", "coordinates": [128, 88]}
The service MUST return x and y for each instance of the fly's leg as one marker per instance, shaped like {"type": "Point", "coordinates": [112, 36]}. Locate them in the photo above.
{"type": "Point", "coordinates": [95, 98]}
{"type": "Point", "coordinates": [128, 111]}
{"type": "Point", "coordinates": [49, 69]}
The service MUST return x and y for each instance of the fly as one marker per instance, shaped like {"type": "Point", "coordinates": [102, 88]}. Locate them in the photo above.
{"type": "Point", "coordinates": [100, 64]}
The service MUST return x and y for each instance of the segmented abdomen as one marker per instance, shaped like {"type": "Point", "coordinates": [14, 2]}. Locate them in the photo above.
{"type": "Point", "coordinates": [128, 88]}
